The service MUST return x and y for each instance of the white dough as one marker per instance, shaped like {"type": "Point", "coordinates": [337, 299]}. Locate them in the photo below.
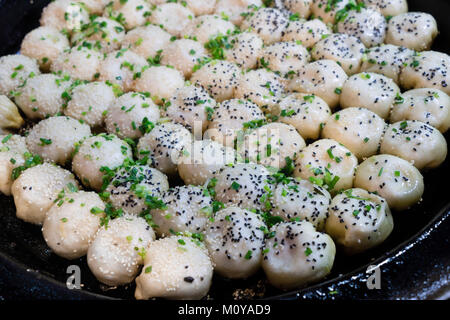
{"type": "Point", "coordinates": [187, 210]}
{"type": "Point", "coordinates": [413, 30]}
{"type": "Point", "coordinates": [219, 78]}
{"type": "Point", "coordinates": [54, 138]}
{"type": "Point", "coordinates": [229, 118]}
{"type": "Point", "coordinates": [90, 102]}
{"type": "Point", "coordinates": [306, 33]}
{"type": "Point", "coordinates": [263, 87]}
{"type": "Point", "coordinates": [285, 58]}
{"type": "Point", "coordinates": [393, 178]}
{"type": "Point", "coordinates": [307, 113]}
{"type": "Point", "coordinates": [371, 91]}
{"type": "Point", "coordinates": [297, 255]}
{"type": "Point", "coordinates": [326, 10]}
{"type": "Point", "coordinates": [416, 142]}
{"type": "Point", "coordinates": [359, 220]}
{"type": "Point", "coordinates": [64, 15]}
{"type": "Point", "coordinates": [388, 8]}
{"type": "Point", "coordinates": [44, 44]}
{"type": "Point", "coordinates": [14, 70]}
{"type": "Point", "coordinates": [202, 160]}
{"type": "Point", "coordinates": [301, 199]}
{"type": "Point", "coordinates": [70, 224]}
{"type": "Point", "coordinates": [321, 78]}
{"type": "Point", "coordinates": [268, 23]}
{"type": "Point", "coordinates": [346, 50]}
{"type": "Point", "coordinates": [96, 152]}
{"type": "Point", "coordinates": [427, 69]}
{"type": "Point", "coordinates": [207, 27]}
{"type": "Point", "coordinates": [327, 163]}
{"type": "Point", "coordinates": [245, 185]}
{"type": "Point", "coordinates": [160, 81]}
{"type": "Point", "coordinates": [173, 17]}
{"type": "Point", "coordinates": [126, 115]}
{"type": "Point", "coordinates": [79, 63]}
{"type": "Point", "coordinates": [36, 189]}
{"type": "Point", "coordinates": [146, 41]}
{"type": "Point", "coordinates": [42, 96]}
{"type": "Point", "coordinates": [163, 146]}
{"type": "Point", "coordinates": [175, 268]}
{"type": "Point", "coordinates": [130, 186]}
{"type": "Point", "coordinates": [236, 10]}
{"type": "Point", "coordinates": [359, 129]}
{"type": "Point", "coordinates": [367, 25]}
{"type": "Point", "coordinates": [246, 50]}
{"type": "Point", "coordinates": [234, 241]}
{"type": "Point", "coordinates": [12, 155]}
{"type": "Point", "coordinates": [271, 144]}
{"type": "Point", "coordinates": [130, 13]}
{"type": "Point", "coordinates": [431, 106]}
{"type": "Point", "coordinates": [117, 252]}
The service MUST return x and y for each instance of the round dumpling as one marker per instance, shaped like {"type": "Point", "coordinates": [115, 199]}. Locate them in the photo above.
{"type": "Point", "coordinates": [320, 78]}
{"type": "Point", "coordinates": [120, 67]}
{"type": "Point", "coordinates": [285, 58]}
{"type": "Point", "coordinates": [413, 30]}
{"type": "Point", "coordinates": [44, 44]}
{"type": "Point", "coordinates": [146, 41]}
{"type": "Point", "coordinates": [94, 6]}
{"type": "Point", "coordinates": [230, 117]}
{"type": "Point", "coordinates": [268, 23]}
{"type": "Point", "coordinates": [297, 255]}
{"type": "Point", "coordinates": [207, 27]}
{"type": "Point", "coordinates": [300, 7]}
{"type": "Point", "coordinates": [102, 34]}
{"type": "Point", "coordinates": [172, 17]}
{"type": "Point", "coordinates": [416, 142]}
{"type": "Point", "coordinates": [306, 113]}
{"type": "Point", "coordinates": [431, 106]}
{"type": "Point", "coordinates": [131, 115]}
{"type": "Point", "coordinates": [72, 222]}
{"type": "Point", "coordinates": [387, 60]}
{"type": "Point", "coordinates": [160, 81]}
{"type": "Point", "coordinates": [131, 185]}
{"type": "Point", "coordinates": [392, 178]}
{"type": "Point", "coordinates": [367, 25]}
{"type": "Point", "coordinates": [262, 87]}
{"type": "Point", "coordinates": [187, 209]}
{"type": "Point", "coordinates": [237, 10]}
{"type": "Point", "coordinates": [163, 146]}
{"type": "Point", "coordinates": [202, 160]}
{"type": "Point", "coordinates": [306, 33]}
{"type": "Point", "coordinates": [388, 8]}
{"type": "Point", "coordinates": [192, 107]}
{"type": "Point", "coordinates": [95, 153]}
{"type": "Point", "coordinates": [245, 185]}
{"type": "Point", "coordinates": [326, 10]}
{"type": "Point", "coordinates": [246, 49]}
{"type": "Point", "coordinates": [271, 144]}
{"type": "Point", "coordinates": [346, 50]}
{"type": "Point", "coordinates": [327, 163]}
{"type": "Point", "coordinates": [301, 199]}
{"type": "Point", "coordinates": [79, 63]}
{"type": "Point", "coordinates": [130, 13]}
{"type": "Point", "coordinates": [358, 220]}
{"type": "Point", "coordinates": [234, 241]}
{"type": "Point", "coordinates": [359, 129]}
{"type": "Point", "coordinates": [429, 69]}
{"type": "Point", "coordinates": [201, 7]}
{"type": "Point", "coordinates": [37, 188]}
{"type": "Point", "coordinates": [42, 96]}
{"type": "Point", "coordinates": [15, 69]}
{"type": "Point", "coordinates": [64, 15]}
{"type": "Point", "coordinates": [371, 91]}
{"type": "Point", "coordinates": [54, 138]}
{"type": "Point", "coordinates": [117, 252]}
{"type": "Point", "coordinates": [89, 103]}
{"type": "Point", "coordinates": [13, 150]}
{"type": "Point", "coordinates": [219, 78]}
{"type": "Point", "coordinates": [175, 268]}
{"type": "Point", "coordinates": [183, 54]}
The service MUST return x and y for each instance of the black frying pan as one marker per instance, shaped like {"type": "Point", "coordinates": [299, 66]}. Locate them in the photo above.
{"type": "Point", "coordinates": [415, 259]}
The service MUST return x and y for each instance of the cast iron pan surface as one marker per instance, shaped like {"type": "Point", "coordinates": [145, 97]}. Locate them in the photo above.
{"type": "Point", "coordinates": [414, 261]}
